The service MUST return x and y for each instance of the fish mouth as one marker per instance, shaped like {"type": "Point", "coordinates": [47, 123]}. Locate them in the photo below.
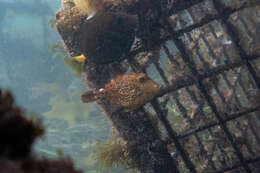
{"type": "Point", "coordinates": [157, 86]}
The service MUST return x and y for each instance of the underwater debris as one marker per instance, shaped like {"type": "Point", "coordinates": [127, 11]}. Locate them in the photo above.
{"type": "Point", "coordinates": [129, 91]}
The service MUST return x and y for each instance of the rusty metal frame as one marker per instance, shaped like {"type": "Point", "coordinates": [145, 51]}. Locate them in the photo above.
{"type": "Point", "coordinates": [245, 60]}
{"type": "Point", "coordinates": [150, 151]}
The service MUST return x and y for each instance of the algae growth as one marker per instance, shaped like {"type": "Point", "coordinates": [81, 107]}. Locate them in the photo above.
{"type": "Point", "coordinates": [65, 104]}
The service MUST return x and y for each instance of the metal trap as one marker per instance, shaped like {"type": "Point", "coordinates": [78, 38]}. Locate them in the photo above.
{"type": "Point", "coordinates": [207, 61]}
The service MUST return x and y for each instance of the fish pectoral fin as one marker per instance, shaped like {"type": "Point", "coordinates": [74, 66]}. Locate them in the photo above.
{"type": "Point", "coordinates": [80, 58]}
{"type": "Point", "coordinates": [138, 91]}
{"type": "Point", "coordinates": [75, 65]}
{"type": "Point", "coordinates": [90, 96]}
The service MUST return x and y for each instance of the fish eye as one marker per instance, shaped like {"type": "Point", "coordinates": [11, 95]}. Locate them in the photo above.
{"type": "Point", "coordinates": [142, 79]}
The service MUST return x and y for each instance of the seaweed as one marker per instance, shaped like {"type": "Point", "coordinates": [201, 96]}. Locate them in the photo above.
{"type": "Point", "coordinates": [65, 104]}
{"type": "Point", "coordinates": [17, 133]}
{"type": "Point", "coordinates": [57, 49]}
{"type": "Point", "coordinates": [17, 136]}
{"type": "Point", "coordinates": [114, 153]}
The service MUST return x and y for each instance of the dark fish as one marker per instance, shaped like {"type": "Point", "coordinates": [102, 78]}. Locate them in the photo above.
{"type": "Point", "coordinates": [108, 37]}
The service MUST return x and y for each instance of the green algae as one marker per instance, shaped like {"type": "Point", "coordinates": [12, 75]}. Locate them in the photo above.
{"type": "Point", "coordinates": [65, 104]}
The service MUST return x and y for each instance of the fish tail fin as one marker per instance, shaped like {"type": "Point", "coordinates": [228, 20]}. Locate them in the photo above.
{"type": "Point", "coordinates": [75, 65]}
{"type": "Point", "coordinates": [80, 58]}
{"type": "Point", "coordinates": [90, 96]}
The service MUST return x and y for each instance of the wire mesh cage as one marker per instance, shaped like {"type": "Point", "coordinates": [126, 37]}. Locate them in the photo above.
{"type": "Point", "coordinates": [207, 62]}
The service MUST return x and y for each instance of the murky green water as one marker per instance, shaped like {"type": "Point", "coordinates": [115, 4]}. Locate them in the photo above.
{"type": "Point", "coordinates": [44, 85]}
{"type": "Point", "coordinates": [32, 68]}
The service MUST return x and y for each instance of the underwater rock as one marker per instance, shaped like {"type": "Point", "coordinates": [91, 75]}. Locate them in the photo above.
{"type": "Point", "coordinates": [129, 91]}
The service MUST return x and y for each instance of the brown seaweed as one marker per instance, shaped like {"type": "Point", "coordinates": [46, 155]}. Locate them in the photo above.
{"type": "Point", "coordinates": [17, 136]}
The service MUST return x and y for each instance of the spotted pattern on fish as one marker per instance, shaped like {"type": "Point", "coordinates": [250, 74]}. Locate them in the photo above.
{"type": "Point", "coordinates": [130, 91]}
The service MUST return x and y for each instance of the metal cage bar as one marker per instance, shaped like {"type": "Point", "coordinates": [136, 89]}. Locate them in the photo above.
{"type": "Point", "coordinates": [188, 81]}
{"type": "Point", "coordinates": [213, 56]}
{"type": "Point", "coordinates": [198, 81]}
{"type": "Point", "coordinates": [237, 165]}
{"type": "Point", "coordinates": [172, 134]}
{"type": "Point", "coordinates": [210, 125]}
{"type": "Point", "coordinates": [233, 33]}
{"type": "Point", "coordinates": [195, 79]}
{"type": "Point", "coordinates": [203, 90]}
{"type": "Point", "coordinates": [183, 110]}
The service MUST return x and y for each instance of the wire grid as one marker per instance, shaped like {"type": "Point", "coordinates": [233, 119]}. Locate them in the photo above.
{"type": "Point", "coordinates": [209, 74]}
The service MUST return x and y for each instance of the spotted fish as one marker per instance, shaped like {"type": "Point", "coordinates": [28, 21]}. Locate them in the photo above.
{"type": "Point", "coordinates": [129, 91]}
